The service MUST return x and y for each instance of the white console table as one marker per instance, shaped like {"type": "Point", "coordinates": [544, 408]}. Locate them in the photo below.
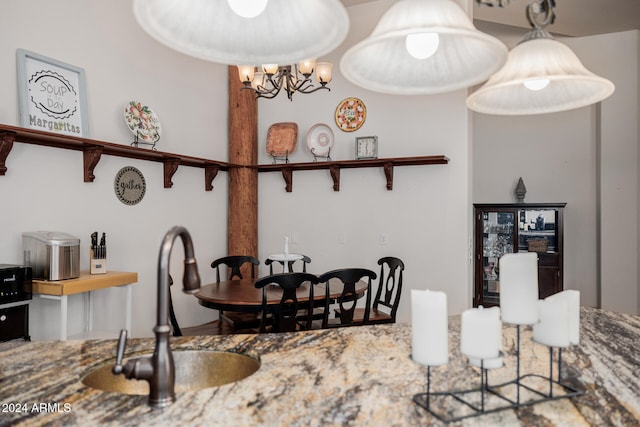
{"type": "Point", "coordinates": [60, 290]}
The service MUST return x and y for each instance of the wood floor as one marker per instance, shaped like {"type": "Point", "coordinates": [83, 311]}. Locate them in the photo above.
{"type": "Point", "coordinates": [212, 328]}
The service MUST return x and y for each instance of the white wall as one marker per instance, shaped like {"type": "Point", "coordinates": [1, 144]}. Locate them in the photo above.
{"type": "Point", "coordinates": [619, 190]}
{"type": "Point", "coordinates": [44, 190]}
{"type": "Point", "coordinates": [425, 218]}
{"type": "Point", "coordinates": [562, 158]}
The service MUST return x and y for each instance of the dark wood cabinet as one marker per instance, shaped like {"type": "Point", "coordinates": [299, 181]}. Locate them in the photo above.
{"type": "Point", "coordinates": [507, 228]}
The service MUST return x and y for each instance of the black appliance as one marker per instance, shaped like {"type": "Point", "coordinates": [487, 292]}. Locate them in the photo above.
{"type": "Point", "coordinates": [15, 296]}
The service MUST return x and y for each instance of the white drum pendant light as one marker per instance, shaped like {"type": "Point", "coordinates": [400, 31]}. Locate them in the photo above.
{"type": "Point", "coordinates": [541, 75]}
{"type": "Point", "coordinates": [227, 32]}
{"type": "Point", "coordinates": [423, 47]}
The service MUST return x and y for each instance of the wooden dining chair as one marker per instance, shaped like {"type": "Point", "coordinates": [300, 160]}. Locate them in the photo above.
{"type": "Point", "coordinates": [234, 265]}
{"type": "Point", "coordinates": [387, 299]}
{"type": "Point", "coordinates": [305, 260]}
{"type": "Point", "coordinates": [290, 314]}
{"type": "Point", "coordinates": [215, 327]}
{"type": "Point", "coordinates": [347, 300]}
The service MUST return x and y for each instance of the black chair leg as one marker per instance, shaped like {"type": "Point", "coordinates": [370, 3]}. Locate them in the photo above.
{"type": "Point", "coordinates": [172, 317]}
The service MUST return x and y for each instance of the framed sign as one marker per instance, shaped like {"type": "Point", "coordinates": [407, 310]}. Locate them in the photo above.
{"type": "Point", "coordinates": [52, 95]}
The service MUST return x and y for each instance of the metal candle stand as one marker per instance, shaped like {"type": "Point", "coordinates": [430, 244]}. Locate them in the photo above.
{"type": "Point", "coordinates": [424, 400]}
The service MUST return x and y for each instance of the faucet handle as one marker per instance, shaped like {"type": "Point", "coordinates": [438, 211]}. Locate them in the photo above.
{"type": "Point", "coordinates": [122, 343]}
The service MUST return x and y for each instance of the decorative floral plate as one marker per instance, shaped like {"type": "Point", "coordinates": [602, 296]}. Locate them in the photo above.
{"type": "Point", "coordinates": [142, 122]}
{"type": "Point", "coordinates": [320, 139]}
{"type": "Point", "coordinates": [351, 114]}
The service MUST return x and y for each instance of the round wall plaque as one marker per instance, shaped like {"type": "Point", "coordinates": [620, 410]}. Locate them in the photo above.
{"type": "Point", "coordinates": [129, 185]}
{"type": "Point", "coordinates": [350, 114]}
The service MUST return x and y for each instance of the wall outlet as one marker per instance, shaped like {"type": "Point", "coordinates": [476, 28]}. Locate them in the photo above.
{"type": "Point", "coordinates": [383, 239]}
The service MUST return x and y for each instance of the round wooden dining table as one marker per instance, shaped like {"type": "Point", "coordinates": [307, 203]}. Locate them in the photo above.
{"type": "Point", "coordinates": [242, 295]}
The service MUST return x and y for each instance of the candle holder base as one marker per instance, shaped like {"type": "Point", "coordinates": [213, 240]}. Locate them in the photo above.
{"type": "Point", "coordinates": [530, 389]}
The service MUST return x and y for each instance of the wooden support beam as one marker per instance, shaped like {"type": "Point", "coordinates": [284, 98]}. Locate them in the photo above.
{"type": "Point", "coordinates": [242, 220]}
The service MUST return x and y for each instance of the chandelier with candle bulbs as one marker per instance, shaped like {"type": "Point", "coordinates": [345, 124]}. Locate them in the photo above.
{"type": "Point", "coordinates": [273, 78]}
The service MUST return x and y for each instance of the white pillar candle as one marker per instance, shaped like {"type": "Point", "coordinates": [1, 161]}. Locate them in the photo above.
{"type": "Point", "coordinates": [519, 288]}
{"type": "Point", "coordinates": [286, 245]}
{"type": "Point", "coordinates": [487, 363]}
{"type": "Point", "coordinates": [481, 333]}
{"type": "Point", "coordinates": [429, 327]}
{"type": "Point", "coordinates": [572, 299]}
{"type": "Point", "coordinates": [553, 328]}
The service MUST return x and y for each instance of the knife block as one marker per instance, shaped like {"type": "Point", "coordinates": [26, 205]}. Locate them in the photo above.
{"type": "Point", "coordinates": [97, 265]}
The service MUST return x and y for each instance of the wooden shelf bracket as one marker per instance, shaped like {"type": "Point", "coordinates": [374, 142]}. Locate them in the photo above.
{"type": "Point", "coordinates": [287, 175]}
{"type": "Point", "coordinates": [334, 170]}
{"type": "Point", "coordinates": [90, 158]}
{"type": "Point", "coordinates": [6, 144]}
{"type": "Point", "coordinates": [388, 173]}
{"type": "Point", "coordinates": [170, 168]}
{"type": "Point", "coordinates": [210, 172]}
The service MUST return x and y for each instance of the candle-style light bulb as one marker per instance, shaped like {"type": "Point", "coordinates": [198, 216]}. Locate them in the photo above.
{"type": "Point", "coordinates": [323, 72]}
{"type": "Point", "coordinates": [306, 67]}
{"type": "Point", "coordinates": [258, 80]}
{"type": "Point", "coordinates": [246, 73]}
{"type": "Point", "coordinates": [270, 69]}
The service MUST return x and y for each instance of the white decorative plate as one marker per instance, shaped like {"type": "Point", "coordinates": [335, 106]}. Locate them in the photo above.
{"type": "Point", "coordinates": [142, 121]}
{"type": "Point", "coordinates": [320, 139]}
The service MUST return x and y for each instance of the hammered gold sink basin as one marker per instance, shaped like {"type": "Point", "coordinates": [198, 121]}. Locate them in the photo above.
{"type": "Point", "coordinates": [195, 370]}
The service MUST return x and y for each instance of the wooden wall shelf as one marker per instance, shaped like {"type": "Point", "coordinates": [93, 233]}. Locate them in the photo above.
{"type": "Point", "coordinates": [334, 167]}
{"type": "Point", "coordinates": [92, 151]}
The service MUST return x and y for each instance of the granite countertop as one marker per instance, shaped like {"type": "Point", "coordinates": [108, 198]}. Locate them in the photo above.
{"type": "Point", "coordinates": [360, 376]}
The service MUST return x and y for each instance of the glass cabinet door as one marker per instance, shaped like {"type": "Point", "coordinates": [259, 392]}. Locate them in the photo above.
{"type": "Point", "coordinates": [498, 238]}
{"type": "Point", "coordinates": [503, 228]}
{"type": "Point", "coordinates": [537, 230]}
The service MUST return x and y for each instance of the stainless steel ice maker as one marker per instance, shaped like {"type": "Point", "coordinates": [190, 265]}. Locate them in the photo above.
{"type": "Point", "coordinates": [52, 255]}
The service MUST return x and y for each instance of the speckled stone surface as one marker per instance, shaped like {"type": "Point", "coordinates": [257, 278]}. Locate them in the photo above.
{"type": "Point", "coordinates": [360, 376]}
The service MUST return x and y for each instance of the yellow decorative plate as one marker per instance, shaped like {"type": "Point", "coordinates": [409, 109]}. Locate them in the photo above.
{"type": "Point", "coordinates": [351, 114]}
